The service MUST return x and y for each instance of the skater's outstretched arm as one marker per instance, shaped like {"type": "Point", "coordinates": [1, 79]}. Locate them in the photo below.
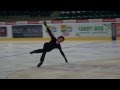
{"type": "Point", "coordinates": [63, 55]}
{"type": "Point", "coordinates": [51, 35]}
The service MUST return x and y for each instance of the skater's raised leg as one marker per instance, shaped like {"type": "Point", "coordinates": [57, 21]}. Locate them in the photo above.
{"type": "Point", "coordinates": [37, 51]}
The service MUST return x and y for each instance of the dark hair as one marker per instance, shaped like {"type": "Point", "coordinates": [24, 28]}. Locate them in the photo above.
{"type": "Point", "coordinates": [61, 37]}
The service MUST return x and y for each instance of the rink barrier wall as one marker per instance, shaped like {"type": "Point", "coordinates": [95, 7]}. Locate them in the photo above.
{"type": "Point", "coordinates": [84, 21]}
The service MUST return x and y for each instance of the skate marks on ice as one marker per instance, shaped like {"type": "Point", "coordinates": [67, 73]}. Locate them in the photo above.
{"type": "Point", "coordinates": [87, 60]}
{"type": "Point", "coordinates": [100, 69]}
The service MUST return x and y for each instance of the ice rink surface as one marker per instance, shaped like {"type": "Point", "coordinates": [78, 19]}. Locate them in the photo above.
{"type": "Point", "coordinates": [87, 60]}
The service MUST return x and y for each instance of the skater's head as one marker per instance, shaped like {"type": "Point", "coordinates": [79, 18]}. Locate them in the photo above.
{"type": "Point", "coordinates": [60, 39]}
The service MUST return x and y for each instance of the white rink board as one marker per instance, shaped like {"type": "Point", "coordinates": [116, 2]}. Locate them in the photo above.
{"type": "Point", "coordinates": [80, 29]}
{"type": "Point", "coordinates": [93, 30]}
{"type": "Point", "coordinates": [66, 29]}
{"type": "Point", "coordinates": [71, 29]}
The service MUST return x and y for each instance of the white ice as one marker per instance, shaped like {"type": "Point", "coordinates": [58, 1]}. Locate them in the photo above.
{"type": "Point", "coordinates": [15, 57]}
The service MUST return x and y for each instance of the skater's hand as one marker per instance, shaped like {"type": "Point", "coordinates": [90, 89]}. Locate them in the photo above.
{"type": "Point", "coordinates": [66, 60]}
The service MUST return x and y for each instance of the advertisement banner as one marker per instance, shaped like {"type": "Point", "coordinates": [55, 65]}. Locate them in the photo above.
{"type": "Point", "coordinates": [27, 31]}
{"type": "Point", "coordinates": [67, 30]}
{"type": "Point", "coordinates": [113, 31]}
{"type": "Point", "coordinates": [57, 30]}
{"type": "Point", "coordinates": [3, 32]}
{"type": "Point", "coordinates": [93, 30]}
{"type": "Point", "coordinates": [54, 28]}
{"type": "Point", "coordinates": [118, 29]}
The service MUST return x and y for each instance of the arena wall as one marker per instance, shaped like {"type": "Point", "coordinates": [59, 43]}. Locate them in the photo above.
{"type": "Point", "coordinates": [83, 29]}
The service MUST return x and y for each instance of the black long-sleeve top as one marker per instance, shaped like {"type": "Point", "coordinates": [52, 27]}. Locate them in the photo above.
{"type": "Point", "coordinates": [52, 44]}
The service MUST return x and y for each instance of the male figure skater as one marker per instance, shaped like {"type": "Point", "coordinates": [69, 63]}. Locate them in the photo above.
{"type": "Point", "coordinates": [49, 46]}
